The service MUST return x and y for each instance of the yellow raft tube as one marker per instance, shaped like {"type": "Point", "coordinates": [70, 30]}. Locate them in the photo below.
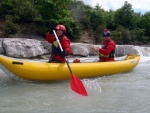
{"type": "Point", "coordinates": [42, 71]}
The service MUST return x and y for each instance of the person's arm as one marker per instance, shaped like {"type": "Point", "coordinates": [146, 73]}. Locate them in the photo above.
{"type": "Point", "coordinates": [66, 45]}
{"type": "Point", "coordinates": [108, 49]}
{"type": "Point", "coordinates": [50, 38]}
{"type": "Point", "coordinates": [96, 49]}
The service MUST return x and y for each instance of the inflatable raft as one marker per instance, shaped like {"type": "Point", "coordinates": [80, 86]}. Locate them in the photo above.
{"type": "Point", "coordinates": [87, 67]}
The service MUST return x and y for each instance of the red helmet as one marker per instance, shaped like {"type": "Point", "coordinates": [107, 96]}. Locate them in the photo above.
{"type": "Point", "coordinates": [61, 27]}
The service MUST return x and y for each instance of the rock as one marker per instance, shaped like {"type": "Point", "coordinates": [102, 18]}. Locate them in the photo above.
{"type": "Point", "coordinates": [1, 47]}
{"type": "Point", "coordinates": [30, 48]}
{"type": "Point", "coordinates": [47, 46]}
{"type": "Point", "coordinates": [79, 49]}
{"type": "Point", "coordinates": [21, 47]}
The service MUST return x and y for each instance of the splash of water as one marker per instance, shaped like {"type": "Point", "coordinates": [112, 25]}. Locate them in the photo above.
{"type": "Point", "coordinates": [143, 51]}
{"type": "Point", "coordinates": [92, 85]}
{"type": "Point", "coordinates": [131, 49]}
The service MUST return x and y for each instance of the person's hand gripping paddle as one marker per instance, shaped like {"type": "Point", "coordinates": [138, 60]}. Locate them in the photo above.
{"type": "Point", "coordinates": [75, 83]}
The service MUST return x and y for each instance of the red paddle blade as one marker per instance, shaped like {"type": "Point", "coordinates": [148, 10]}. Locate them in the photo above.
{"type": "Point", "coordinates": [77, 85]}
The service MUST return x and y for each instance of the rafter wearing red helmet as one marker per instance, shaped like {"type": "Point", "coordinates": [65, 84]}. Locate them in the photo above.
{"type": "Point", "coordinates": [57, 55]}
{"type": "Point", "coordinates": [107, 51]}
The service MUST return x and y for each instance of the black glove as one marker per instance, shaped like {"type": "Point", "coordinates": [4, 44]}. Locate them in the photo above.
{"type": "Point", "coordinates": [64, 53]}
{"type": "Point", "coordinates": [51, 29]}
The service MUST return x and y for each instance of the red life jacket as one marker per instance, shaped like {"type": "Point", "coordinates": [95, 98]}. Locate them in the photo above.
{"type": "Point", "coordinates": [108, 50]}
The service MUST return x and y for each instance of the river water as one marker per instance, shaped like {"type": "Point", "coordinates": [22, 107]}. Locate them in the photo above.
{"type": "Point", "coordinates": [119, 93]}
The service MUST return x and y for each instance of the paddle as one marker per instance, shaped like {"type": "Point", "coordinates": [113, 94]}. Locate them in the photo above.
{"type": "Point", "coordinates": [75, 82]}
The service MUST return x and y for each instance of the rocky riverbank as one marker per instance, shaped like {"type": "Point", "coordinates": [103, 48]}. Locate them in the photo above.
{"type": "Point", "coordinates": [32, 48]}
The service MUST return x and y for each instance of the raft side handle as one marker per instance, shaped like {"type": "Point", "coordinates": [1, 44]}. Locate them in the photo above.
{"type": "Point", "coordinates": [14, 62]}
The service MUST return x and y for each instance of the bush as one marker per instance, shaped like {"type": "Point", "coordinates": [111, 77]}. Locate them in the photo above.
{"type": "Point", "coordinates": [144, 39]}
{"type": "Point", "coordinates": [10, 27]}
{"type": "Point", "coordinates": [117, 36]}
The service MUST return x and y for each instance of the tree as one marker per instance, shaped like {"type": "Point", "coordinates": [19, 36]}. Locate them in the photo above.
{"type": "Point", "coordinates": [145, 23]}
{"type": "Point", "coordinates": [97, 17]}
{"type": "Point", "coordinates": [124, 16]}
{"type": "Point", "coordinates": [55, 12]}
{"type": "Point", "coordinates": [109, 18]}
{"type": "Point", "coordinates": [32, 5]}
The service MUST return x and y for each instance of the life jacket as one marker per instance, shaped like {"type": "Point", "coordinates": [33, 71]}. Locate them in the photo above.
{"type": "Point", "coordinates": [111, 55]}
{"type": "Point", "coordinates": [55, 47]}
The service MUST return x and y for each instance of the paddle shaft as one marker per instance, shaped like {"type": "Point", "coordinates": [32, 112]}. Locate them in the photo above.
{"type": "Point", "coordinates": [58, 40]}
{"type": "Point", "coordinates": [62, 50]}
{"type": "Point", "coordinates": [75, 82]}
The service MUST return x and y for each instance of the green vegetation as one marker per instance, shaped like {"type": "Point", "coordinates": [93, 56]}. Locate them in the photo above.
{"type": "Point", "coordinates": [36, 16]}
